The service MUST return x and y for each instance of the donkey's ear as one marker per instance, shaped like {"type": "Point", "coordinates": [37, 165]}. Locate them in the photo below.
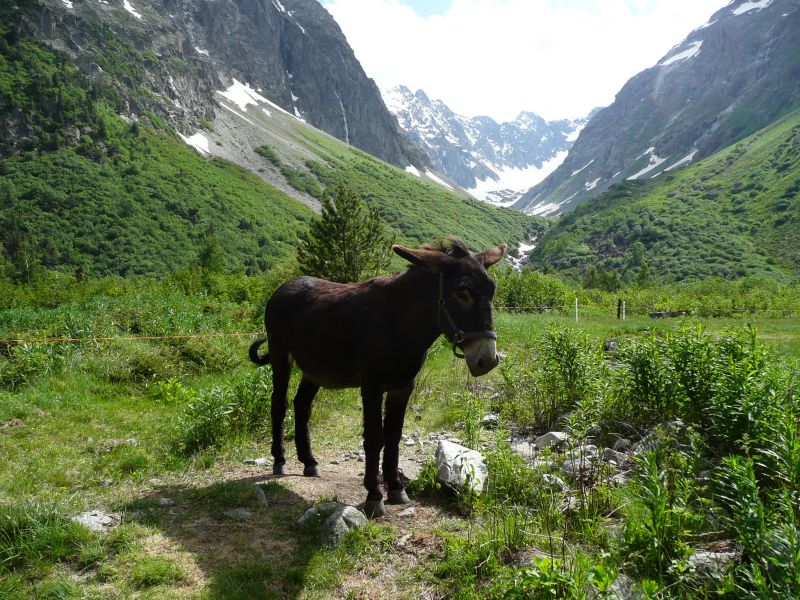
{"type": "Point", "coordinates": [432, 260]}
{"type": "Point", "coordinates": [488, 257]}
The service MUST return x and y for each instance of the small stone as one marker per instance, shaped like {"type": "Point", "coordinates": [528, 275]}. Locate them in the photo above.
{"type": "Point", "coordinates": [611, 345]}
{"type": "Point", "coordinates": [490, 421]}
{"type": "Point", "coordinates": [97, 520]}
{"type": "Point", "coordinates": [410, 442]}
{"type": "Point", "coordinates": [612, 456]}
{"type": "Point", "coordinates": [622, 445]}
{"type": "Point", "coordinates": [714, 564]}
{"type": "Point", "coordinates": [587, 452]}
{"type": "Point", "coordinates": [260, 462]}
{"type": "Point", "coordinates": [339, 523]}
{"type": "Point", "coordinates": [409, 512]}
{"type": "Point", "coordinates": [550, 439]}
{"type": "Point", "coordinates": [238, 514]}
{"type": "Point", "coordinates": [336, 462]}
{"type": "Point", "coordinates": [555, 482]}
{"type": "Point", "coordinates": [360, 457]}
{"type": "Point", "coordinates": [625, 588]}
{"type": "Point", "coordinates": [164, 501]}
{"type": "Point", "coordinates": [261, 494]}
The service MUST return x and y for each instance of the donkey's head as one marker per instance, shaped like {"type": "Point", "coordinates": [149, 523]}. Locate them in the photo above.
{"type": "Point", "coordinates": [465, 292]}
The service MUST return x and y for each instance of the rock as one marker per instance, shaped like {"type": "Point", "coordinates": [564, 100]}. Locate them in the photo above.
{"type": "Point", "coordinates": [97, 520]}
{"type": "Point", "coordinates": [459, 466]}
{"type": "Point", "coordinates": [587, 452]}
{"type": "Point", "coordinates": [409, 469]}
{"type": "Point", "coordinates": [410, 442]}
{"type": "Point", "coordinates": [257, 461]}
{"type": "Point", "coordinates": [238, 514]}
{"type": "Point", "coordinates": [261, 494]}
{"type": "Point", "coordinates": [409, 512]}
{"type": "Point", "coordinates": [551, 439]}
{"type": "Point", "coordinates": [614, 457]}
{"type": "Point", "coordinates": [524, 448]}
{"type": "Point", "coordinates": [490, 421]}
{"type": "Point", "coordinates": [555, 482]}
{"type": "Point", "coordinates": [339, 523]}
{"type": "Point", "coordinates": [714, 564]}
{"type": "Point", "coordinates": [319, 512]}
{"type": "Point", "coordinates": [569, 504]}
{"type": "Point", "coordinates": [622, 445]}
{"type": "Point", "coordinates": [625, 588]}
{"type": "Point", "coordinates": [163, 501]}
{"type": "Point", "coordinates": [611, 345]}
{"type": "Point", "coordinates": [621, 478]}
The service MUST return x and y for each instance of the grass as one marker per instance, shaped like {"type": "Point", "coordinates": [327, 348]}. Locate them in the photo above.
{"type": "Point", "coordinates": [124, 424]}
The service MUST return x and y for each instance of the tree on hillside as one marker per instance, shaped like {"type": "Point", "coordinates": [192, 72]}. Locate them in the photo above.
{"type": "Point", "coordinates": [348, 241]}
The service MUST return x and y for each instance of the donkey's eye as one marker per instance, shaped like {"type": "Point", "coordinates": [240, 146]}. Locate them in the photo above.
{"type": "Point", "coordinates": [463, 296]}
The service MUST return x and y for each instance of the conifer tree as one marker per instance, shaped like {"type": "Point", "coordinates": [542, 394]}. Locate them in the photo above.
{"type": "Point", "coordinates": [347, 242]}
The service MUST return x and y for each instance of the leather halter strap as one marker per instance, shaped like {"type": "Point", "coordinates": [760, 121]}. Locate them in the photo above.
{"type": "Point", "coordinates": [458, 336]}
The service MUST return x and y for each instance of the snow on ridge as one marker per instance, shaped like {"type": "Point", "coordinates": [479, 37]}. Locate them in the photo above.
{"type": "Point", "coordinates": [650, 150]}
{"type": "Point", "coordinates": [197, 141]}
{"type": "Point", "coordinates": [590, 185]}
{"type": "Point", "coordinates": [67, 3]}
{"type": "Point", "coordinates": [277, 4]}
{"type": "Point", "coordinates": [129, 7]}
{"type": "Point", "coordinates": [655, 161]}
{"type": "Point", "coordinates": [200, 50]}
{"type": "Point", "coordinates": [756, 5]}
{"type": "Point", "coordinates": [413, 170]}
{"type": "Point", "coordinates": [582, 168]}
{"type": "Point", "coordinates": [686, 54]}
{"type": "Point", "coordinates": [685, 160]}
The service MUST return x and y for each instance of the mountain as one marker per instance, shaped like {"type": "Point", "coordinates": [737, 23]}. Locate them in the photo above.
{"type": "Point", "coordinates": [731, 215]}
{"type": "Point", "coordinates": [172, 57]}
{"type": "Point", "coordinates": [495, 162]}
{"type": "Point", "coordinates": [116, 159]}
{"type": "Point", "coordinates": [729, 78]}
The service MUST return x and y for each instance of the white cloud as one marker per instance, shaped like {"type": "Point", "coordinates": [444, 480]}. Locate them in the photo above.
{"type": "Point", "coordinates": [558, 58]}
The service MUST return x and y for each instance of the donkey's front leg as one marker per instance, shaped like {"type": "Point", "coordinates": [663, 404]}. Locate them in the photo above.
{"type": "Point", "coordinates": [372, 401]}
{"type": "Point", "coordinates": [396, 403]}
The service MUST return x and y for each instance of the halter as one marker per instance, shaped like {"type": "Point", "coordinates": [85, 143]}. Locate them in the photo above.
{"type": "Point", "coordinates": [459, 336]}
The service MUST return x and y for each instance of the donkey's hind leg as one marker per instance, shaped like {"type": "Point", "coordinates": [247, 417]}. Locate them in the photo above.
{"type": "Point", "coordinates": [303, 401]}
{"type": "Point", "coordinates": [281, 371]}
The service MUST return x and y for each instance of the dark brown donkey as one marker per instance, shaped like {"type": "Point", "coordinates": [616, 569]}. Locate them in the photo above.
{"type": "Point", "coordinates": [375, 335]}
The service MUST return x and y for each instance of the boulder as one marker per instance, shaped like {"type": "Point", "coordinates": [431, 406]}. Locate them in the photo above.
{"type": "Point", "coordinates": [339, 523]}
{"type": "Point", "coordinates": [459, 466]}
{"type": "Point", "coordinates": [97, 520]}
{"type": "Point", "coordinates": [714, 564]}
{"type": "Point", "coordinates": [490, 421]}
{"type": "Point", "coordinates": [318, 512]}
{"type": "Point", "coordinates": [551, 439]}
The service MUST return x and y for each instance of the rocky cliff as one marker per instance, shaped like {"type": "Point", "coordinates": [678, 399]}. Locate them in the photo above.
{"type": "Point", "coordinates": [170, 58]}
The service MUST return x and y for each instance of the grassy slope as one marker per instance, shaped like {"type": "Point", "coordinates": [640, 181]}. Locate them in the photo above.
{"type": "Point", "coordinates": [733, 214]}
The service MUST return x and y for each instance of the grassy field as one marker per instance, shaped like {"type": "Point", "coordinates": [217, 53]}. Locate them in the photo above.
{"type": "Point", "coordinates": [157, 431]}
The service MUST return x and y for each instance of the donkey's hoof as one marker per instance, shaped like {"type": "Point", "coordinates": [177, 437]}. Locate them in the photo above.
{"type": "Point", "coordinates": [311, 471]}
{"type": "Point", "coordinates": [398, 497]}
{"type": "Point", "coordinates": [374, 508]}
{"type": "Point", "coordinates": [278, 470]}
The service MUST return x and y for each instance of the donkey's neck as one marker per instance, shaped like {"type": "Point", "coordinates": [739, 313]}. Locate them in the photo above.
{"type": "Point", "coordinates": [417, 291]}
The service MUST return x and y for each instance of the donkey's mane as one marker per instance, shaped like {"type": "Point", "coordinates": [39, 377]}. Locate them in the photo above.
{"type": "Point", "coordinates": [452, 246]}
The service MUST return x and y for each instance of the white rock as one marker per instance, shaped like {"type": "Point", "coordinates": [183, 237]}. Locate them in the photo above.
{"type": "Point", "coordinates": [257, 461]}
{"type": "Point", "coordinates": [340, 522]}
{"type": "Point", "coordinates": [714, 565]}
{"type": "Point", "coordinates": [97, 520]}
{"type": "Point", "coordinates": [459, 466]}
{"type": "Point", "coordinates": [550, 439]}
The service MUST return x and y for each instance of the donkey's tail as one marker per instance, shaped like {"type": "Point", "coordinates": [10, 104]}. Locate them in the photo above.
{"type": "Point", "coordinates": [258, 360]}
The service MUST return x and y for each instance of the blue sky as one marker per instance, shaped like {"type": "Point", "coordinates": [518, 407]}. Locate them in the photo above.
{"type": "Point", "coordinates": [557, 58]}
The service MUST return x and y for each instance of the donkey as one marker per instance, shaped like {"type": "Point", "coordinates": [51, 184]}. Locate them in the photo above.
{"type": "Point", "coordinates": [375, 335]}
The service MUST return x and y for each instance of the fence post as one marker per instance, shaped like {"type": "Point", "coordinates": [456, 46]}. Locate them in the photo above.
{"type": "Point", "coordinates": [619, 308]}
{"type": "Point", "coordinates": [576, 309]}
{"type": "Point", "coordinates": [623, 310]}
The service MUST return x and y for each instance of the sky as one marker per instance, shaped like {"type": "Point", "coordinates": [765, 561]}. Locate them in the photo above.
{"type": "Point", "coordinates": [556, 58]}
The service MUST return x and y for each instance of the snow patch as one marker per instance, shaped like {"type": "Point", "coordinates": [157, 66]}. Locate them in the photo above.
{"type": "Point", "coordinates": [413, 170]}
{"type": "Point", "coordinates": [685, 55]}
{"type": "Point", "coordinates": [655, 161]}
{"type": "Point", "coordinates": [129, 7]}
{"type": "Point", "coordinates": [582, 168]}
{"type": "Point", "coordinates": [277, 4]}
{"type": "Point", "coordinates": [748, 6]}
{"type": "Point", "coordinates": [242, 95]}
{"type": "Point", "coordinates": [201, 51]}
{"type": "Point", "coordinates": [197, 141]}
{"type": "Point", "coordinates": [572, 136]}
{"type": "Point", "coordinates": [514, 180]}
{"type": "Point", "coordinates": [432, 175]}
{"type": "Point", "coordinates": [67, 3]}
{"type": "Point", "coordinates": [266, 112]}
{"type": "Point", "coordinates": [685, 160]}
{"type": "Point", "coordinates": [590, 185]}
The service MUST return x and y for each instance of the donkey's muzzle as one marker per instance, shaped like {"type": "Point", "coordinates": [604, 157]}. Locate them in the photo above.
{"type": "Point", "coordinates": [481, 356]}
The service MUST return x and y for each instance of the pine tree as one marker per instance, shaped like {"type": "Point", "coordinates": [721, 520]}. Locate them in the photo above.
{"type": "Point", "coordinates": [347, 242]}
